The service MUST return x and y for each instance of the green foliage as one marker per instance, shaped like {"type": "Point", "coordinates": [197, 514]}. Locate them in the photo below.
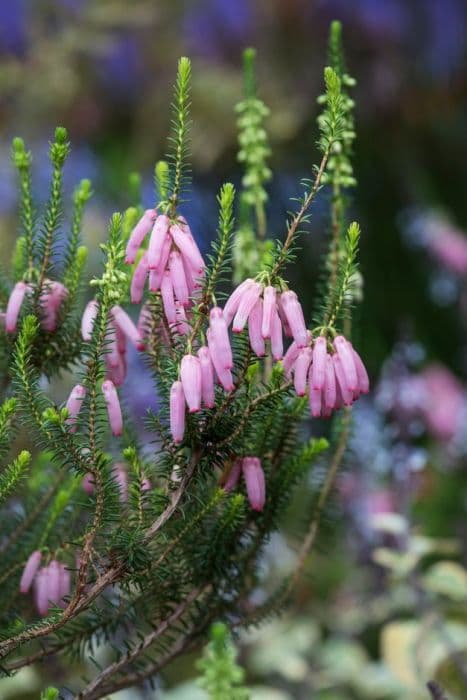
{"type": "Point", "coordinates": [179, 170]}
{"type": "Point", "coordinates": [222, 677]}
{"type": "Point", "coordinates": [13, 473]}
{"type": "Point", "coordinates": [50, 694]}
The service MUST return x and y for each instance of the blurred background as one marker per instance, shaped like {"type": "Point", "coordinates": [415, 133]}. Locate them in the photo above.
{"type": "Point", "coordinates": [382, 609]}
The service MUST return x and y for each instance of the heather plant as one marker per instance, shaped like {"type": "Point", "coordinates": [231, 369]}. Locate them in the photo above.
{"type": "Point", "coordinates": [141, 543]}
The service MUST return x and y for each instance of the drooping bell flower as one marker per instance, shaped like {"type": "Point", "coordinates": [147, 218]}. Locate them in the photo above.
{"type": "Point", "coordinates": [51, 584]}
{"type": "Point", "coordinates": [52, 298]}
{"type": "Point", "coordinates": [245, 306]}
{"type": "Point", "coordinates": [139, 233]}
{"type": "Point", "coordinates": [345, 352]}
{"type": "Point", "coordinates": [207, 377]}
{"type": "Point", "coordinates": [219, 337]}
{"type": "Point", "coordinates": [255, 321]}
{"type": "Point", "coordinates": [73, 405]}
{"type": "Point", "coordinates": [318, 373]}
{"type": "Point", "coordinates": [301, 367]}
{"type": "Point", "coordinates": [190, 375]}
{"type": "Point", "coordinates": [233, 476]}
{"type": "Point", "coordinates": [218, 358]}
{"type": "Point", "coordinates": [14, 306]}
{"type": "Point", "coordinates": [255, 482]}
{"type": "Point", "coordinates": [88, 319]}
{"type": "Point", "coordinates": [30, 570]}
{"type": "Point", "coordinates": [128, 328]}
{"type": "Point", "coordinates": [177, 412]}
{"type": "Point", "coordinates": [294, 314]}
{"type": "Point", "coordinates": [114, 411]}
{"type": "Point", "coordinates": [159, 235]}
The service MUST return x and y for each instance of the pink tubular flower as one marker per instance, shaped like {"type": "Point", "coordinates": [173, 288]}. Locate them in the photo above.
{"type": "Point", "coordinates": [114, 411]}
{"type": "Point", "coordinates": [128, 328]}
{"type": "Point", "coordinates": [138, 234]}
{"type": "Point", "coordinates": [220, 336]}
{"type": "Point", "coordinates": [190, 375]}
{"type": "Point", "coordinates": [224, 375]}
{"type": "Point", "coordinates": [207, 377]}
{"type": "Point", "coordinates": [156, 275]}
{"type": "Point", "coordinates": [290, 357]}
{"type": "Point", "coordinates": [329, 389]}
{"type": "Point", "coordinates": [29, 571]}
{"type": "Point", "coordinates": [54, 571]}
{"type": "Point", "coordinates": [116, 368]}
{"type": "Point", "coordinates": [255, 482]}
{"type": "Point", "coordinates": [318, 373]}
{"type": "Point", "coordinates": [233, 476]}
{"type": "Point", "coordinates": [41, 591]}
{"type": "Point", "coordinates": [187, 246]}
{"type": "Point", "coordinates": [346, 392]}
{"type": "Point", "coordinates": [177, 412]}
{"type": "Point", "coordinates": [269, 305]}
{"type": "Point", "coordinates": [301, 367]}
{"type": "Point", "coordinates": [247, 301]}
{"type": "Point", "coordinates": [344, 351]}
{"type": "Point", "coordinates": [254, 329]}
{"type": "Point", "coordinates": [139, 280]}
{"type": "Point", "coordinates": [294, 314]}
{"type": "Point", "coordinates": [14, 306]}
{"type": "Point", "coordinates": [277, 345]}
{"type": "Point", "coordinates": [73, 405]}
{"type": "Point", "coordinates": [88, 319]}
{"type": "Point", "coordinates": [88, 484]}
{"type": "Point", "coordinates": [158, 238]}
{"type": "Point", "coordinates": [231, 306]}
{"type": "Point", "coordinates": [51, 299]}
{"type": "Point", "coordinates": [362, 375]}
{"type": "Point", "coordinates": [315, 400]}
{"type": "Point", "coordinates": [178, 277]}
{"type": "Point", "coordinates": [168, 299]}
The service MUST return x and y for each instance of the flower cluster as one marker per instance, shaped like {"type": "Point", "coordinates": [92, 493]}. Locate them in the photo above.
{"type": "Point", "coordinates": [172, 263]}
{"type": "Point", "coordinates": [334, 379]}
{"type": "Point", "coordinates": [51, 298]}
{"type": "Point", "coordinates": [51, 583]}
{"type": "Point", "coordinates": [114, 412]}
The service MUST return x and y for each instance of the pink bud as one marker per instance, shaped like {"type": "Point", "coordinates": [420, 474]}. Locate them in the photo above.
{"type": "Point", "coordinates": [224, 375]}
{"type": "Point", "coordinates": [207, 377]}
{"type": "Point", "coordinates": [29, 571]}
{"type": "Point", "coordinates": [255, 483]}
{"type": "Point", "coordinates": [138, 234]}
{"type": "Point", "coordinates": [318, 373]}
{"type": "Point", "coordinates": [73, 405]}
{"type": "Point", "coordinates": [64, 584]}
{"type": "Point", "coordinates": [168, 298]}
{"type": "Point", "coordinates": [177, 275]}
{"type": "Point", "coordinates": [233, 476]}
{"type": "Point", "coordinates": [190, 375]}
{"type": "Point", "coordinates": [145, 484]}
{"type": "Point", "coordinates": [188, 248]}
{"type": "Point", "coordinates": [344, 350]}
{"type": "Point", "coordinates": [156, 275]}
{"type": "Point", "coordinates": [254, 329]}
{"type": "Point", "coordinates": [301, 367]}
{"type": "Point", "coordinates": [233, 301]}
{"type": "Point", "coordinates": [14, 306]}
{"type": "Point", "coordinates": [177, 412]}
{"type": "Point", "coordinates": [345, 391]}
{"type": "Point", "coordinates": [362, 375]}
{"type": "Point", "coordinates": [114, 411]}
{"type": "Point", "coordinates": [247, 301]}
{"type": "Point", "coordinates": [139, 280]}
{"type": "Point", "coordinates": [294, 313]}
{"type": "Point", "coordinates": [220, 336]}
{"type": "Point", "coordinates": [158, 239]}
{"type": "Point", "coordinates": [277, 345]}
{"type": "Point", "coordinates": [128, 328]}
{"type": "Point", "coordinates": [289, 358]}
{"type": "Point", "coordinates": [329, 389]}
{"type": "Point", "coordinates": [269, 306]}
{"type": "Point", "coordinates": [88, 319]}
